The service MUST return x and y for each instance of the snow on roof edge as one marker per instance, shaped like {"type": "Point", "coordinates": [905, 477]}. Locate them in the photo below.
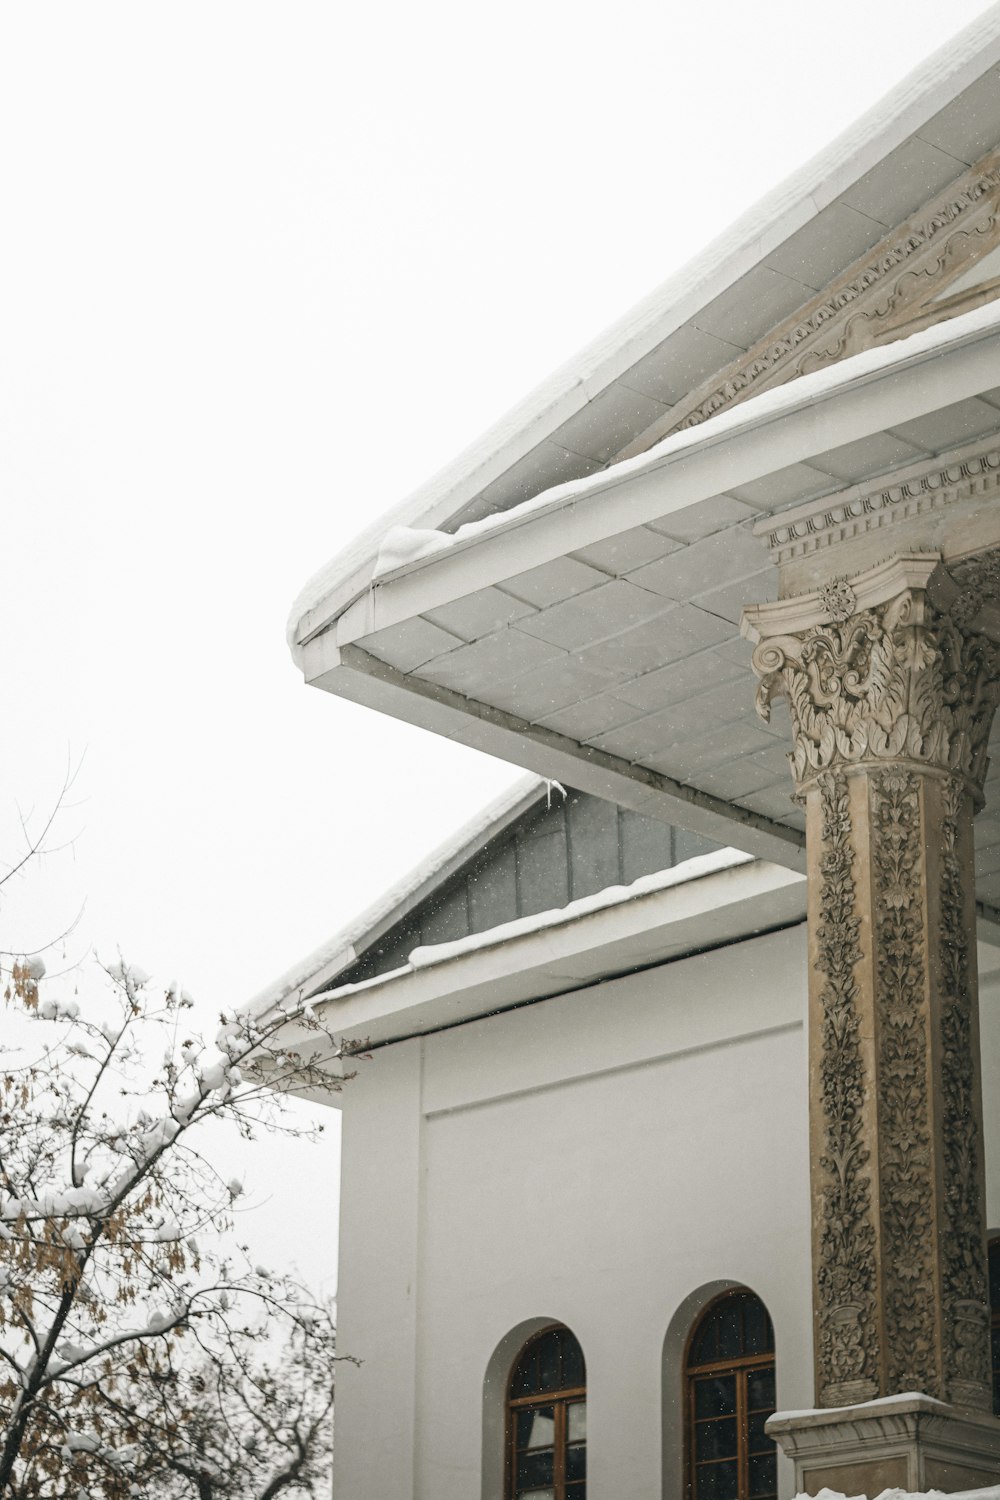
{"type": "Point", "coordinates": [912, 102]}
{"type": "Point", "coordinates": [342, 949]}
{"type": "Point", "coordinates": [699, 867]}
{"type": "Point", "coordinates": [394, 556]}
{"type": "Point", "coordinates": [696, 868]}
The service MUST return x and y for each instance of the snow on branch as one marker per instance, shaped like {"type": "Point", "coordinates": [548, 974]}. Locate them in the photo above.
{"type": "Point", "coordinates": [136, 1350]}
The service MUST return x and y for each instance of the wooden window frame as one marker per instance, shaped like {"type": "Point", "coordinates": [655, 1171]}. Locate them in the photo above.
{"type": "Point", "coordinates": [560, 1401]}
{"type": "Point", "coordinates": [742, 1366]}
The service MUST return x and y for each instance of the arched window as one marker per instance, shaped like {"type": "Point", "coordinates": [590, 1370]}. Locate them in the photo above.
{"type": "Point", "coordinates": [547, 1420]}
{"type": "Point", "coordinates": [730, 1395]}
{"type": "Point", "coordinates": [995, 1321]}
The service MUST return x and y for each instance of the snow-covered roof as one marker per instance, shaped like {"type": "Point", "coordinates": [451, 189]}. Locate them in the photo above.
{"type": "Point", "coordinates": [568, 594]}
{"type": "Point", "coordinates": [709, 900]}
{"type": "Point", "coordinates": [592, 633]}
{"type": "Point", "coordinates": [408, 550]}
{"type": "Point", "coordinates": [538, 854]}
{"type": "Point", "coordinates": [321, 967]}
{"type": "Point", "coordinates": [620, 389]}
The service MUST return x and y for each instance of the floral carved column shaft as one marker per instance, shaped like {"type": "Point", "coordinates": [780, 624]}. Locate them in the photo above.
{"type": "Point", "coordinates": [891, 697]}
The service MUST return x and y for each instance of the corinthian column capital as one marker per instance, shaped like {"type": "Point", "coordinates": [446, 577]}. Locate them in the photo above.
{"type": "Point", "coordinates": [892, 678]}
{"type": "Point", "coordinates": [890, 666]}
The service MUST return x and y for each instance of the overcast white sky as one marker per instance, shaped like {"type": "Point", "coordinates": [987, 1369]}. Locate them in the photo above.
{"type": "Point", "coordinates": [264, 268]}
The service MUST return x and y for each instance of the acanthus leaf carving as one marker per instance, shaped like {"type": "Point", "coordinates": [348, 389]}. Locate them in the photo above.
{"type": "Point", "coordinates": [897, 681]}
{"type": "Point", "coordinates": [891, 711]}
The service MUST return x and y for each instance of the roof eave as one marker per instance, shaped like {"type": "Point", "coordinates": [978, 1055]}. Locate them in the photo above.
{"type": "Point", "coordinates": [841, 404]}
{"type": "Point", "coordinates": [724, 906]}
{"type": "Point", "coordinates": [929, 88]}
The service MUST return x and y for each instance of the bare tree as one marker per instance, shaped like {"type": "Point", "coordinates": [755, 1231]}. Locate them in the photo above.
{"type": "Point", "coordinates": [237, 1422]}
{"type": "Point", "coordinates": [136, 1346]}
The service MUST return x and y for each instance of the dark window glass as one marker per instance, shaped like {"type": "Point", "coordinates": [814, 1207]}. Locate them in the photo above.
{"type": "Point", "coordinates": [715, 1396]}
{"type": "Point", "coordinates": [572, 1356]}
{"type": "Point", "coordinates": [763, 1476]}
{"type": "Point", "coordinates": [715, 1439]}
{"type": "Point", "coordinates": [707, 1345]}
{"type": "Point", "coordinates": [757, 1439]}
{"type": "Point", "coordinates": [548, 1363]}
{"type": "Point", "coordinates": [718, 1482]}
{"type": "Point", "coordinates": [760, 1390]}
{"type": "Point", "coordinates": [758, 1336]}
{"type": "Point", "coordinates": [730, 1330]}
{"type": "Point", "coordinates": [547, 1420]}
{"type": "Point", "coordinates": [534, 1470]}
{"type": "Point", "coordinates": [730, 1397]}
{"type": "Point", "coordinates": [525, 1381]}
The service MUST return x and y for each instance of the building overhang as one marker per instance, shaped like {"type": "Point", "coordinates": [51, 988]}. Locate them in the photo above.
{"type": "Point", "coordinates": [709, 902]}
{"type": "Point", "coordinates": [895, 168]}
{"type": "Point", "coordinates": [704, 904]}
{"type": "Point", "coordinates": [592, 634]}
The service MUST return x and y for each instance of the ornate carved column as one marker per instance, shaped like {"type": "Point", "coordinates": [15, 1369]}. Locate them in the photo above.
{"type": "Point", "coordinates": [891, 696]}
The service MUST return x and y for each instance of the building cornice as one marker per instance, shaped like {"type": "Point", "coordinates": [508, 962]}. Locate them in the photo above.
{"type": "Point", "coordinates": [931, 485]}
{"type": "Point", "coordinates": [894, 289]}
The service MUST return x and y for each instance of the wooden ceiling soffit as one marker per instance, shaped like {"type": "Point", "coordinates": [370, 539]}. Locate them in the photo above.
{"type": "Point", "coordinates": [895, 289]}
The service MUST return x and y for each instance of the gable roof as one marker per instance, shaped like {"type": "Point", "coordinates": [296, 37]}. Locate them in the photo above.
{"type": "Point", "coordinates": [621, 390]}
{"type": "Point", "coordinates": [588, 625]}
{"type": "Point", "coordinates": [535, 849]}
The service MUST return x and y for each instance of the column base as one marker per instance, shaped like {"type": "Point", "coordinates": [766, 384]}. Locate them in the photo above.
{"type": "Point", "coordinates": [910, 1442]}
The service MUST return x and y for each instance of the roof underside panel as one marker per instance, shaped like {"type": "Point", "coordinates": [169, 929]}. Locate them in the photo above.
{"type": "Point", "coordinates": [626, 652]}
{"type": "Point", "coordinates": [826, 370]}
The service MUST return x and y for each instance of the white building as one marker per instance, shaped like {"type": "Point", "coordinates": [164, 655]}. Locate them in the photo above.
{"type": "Point", "coordinates": [674, 1054]}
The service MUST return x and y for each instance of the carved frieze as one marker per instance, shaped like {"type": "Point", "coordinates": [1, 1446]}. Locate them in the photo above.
{"type": "Point", "coordinates": [898, 286]}
{"type": "Point", "coordinates": [899, 681]}
{"type": "Point", "coordinates": [978, 582]}
{"type": "Point", "coordinates": [964, 1290]}
{"type": "Point", "coordinates": [845, 1271]}
{"type": "Point", "coordinates": [973, 471]}
{"type": "Point", "coordinates": [892, 696]}
{"type": "Point", "coordinates": [904, 1139]}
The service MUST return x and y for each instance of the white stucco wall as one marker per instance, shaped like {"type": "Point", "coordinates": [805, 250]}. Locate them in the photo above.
{"type": "Point", "coordinates": [608, 1159]}
{"type": "Point", "coordinates": [594, 1159]}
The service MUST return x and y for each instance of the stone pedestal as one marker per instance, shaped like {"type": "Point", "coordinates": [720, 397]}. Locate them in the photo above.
{"type": "Point", "coordinates": [891, 701]}
{"type": "Point", "coordinates": [908, 1442]}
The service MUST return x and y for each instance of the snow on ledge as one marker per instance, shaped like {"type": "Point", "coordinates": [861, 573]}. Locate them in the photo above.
{"type": "Point", "coordinates": [878, 1403]}
{"type": "Point", "coordinates": [990, 1493]}
{"type": "Point", "coordinates": [404, 545]}
{"type": "Point", "coordinates": [612, 895]}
